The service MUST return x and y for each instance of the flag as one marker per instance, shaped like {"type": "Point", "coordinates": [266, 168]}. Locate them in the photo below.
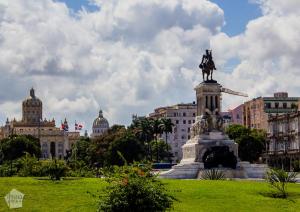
{"type": "Point", "coordinates": [78, 126]}
{"type": "Point", "coordinates": [65, 127]}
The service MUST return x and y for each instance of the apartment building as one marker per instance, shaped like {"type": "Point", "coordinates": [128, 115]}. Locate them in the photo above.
{"type": "Point", "coordinates": [182, 116]}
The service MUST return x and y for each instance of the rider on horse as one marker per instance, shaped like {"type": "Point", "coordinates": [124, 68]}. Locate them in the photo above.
{"type": "Point", "coordinates": [207, 65]}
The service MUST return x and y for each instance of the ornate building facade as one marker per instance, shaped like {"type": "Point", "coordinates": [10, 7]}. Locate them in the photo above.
{"type": "Point", "coordinates": [283, 147]}
{"type": "Point", "coordinates": [100, 125]}
{"type": "Point", "coordinates": [54, 141]}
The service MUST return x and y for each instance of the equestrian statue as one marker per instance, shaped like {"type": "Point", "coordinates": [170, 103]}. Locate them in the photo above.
{"type": "Point", "coordinates": [207, 65]}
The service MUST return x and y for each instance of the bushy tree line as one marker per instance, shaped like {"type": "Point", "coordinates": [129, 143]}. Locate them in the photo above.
{"type": "Point", "coordinates": [19, 154]}
{"type": "Point", "coordinates": [251, 141]}
{"type": "Point", "coordinates": [138, 142]}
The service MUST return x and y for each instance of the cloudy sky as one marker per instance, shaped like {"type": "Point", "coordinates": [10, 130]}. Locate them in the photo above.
{"type": "Point", "coordinates": [131, 56]}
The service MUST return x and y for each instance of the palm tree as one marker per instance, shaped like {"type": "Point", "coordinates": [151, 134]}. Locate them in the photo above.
{"type": "Point", "coordinates": [156, 130]}
{"type": "Point", "coordinates": [167, 127]}
{"type": "Point", "coordinates": [145, 133]}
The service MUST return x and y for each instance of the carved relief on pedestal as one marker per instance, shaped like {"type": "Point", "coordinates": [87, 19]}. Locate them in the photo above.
{"type": "Point", "coordinates": [201, 126]}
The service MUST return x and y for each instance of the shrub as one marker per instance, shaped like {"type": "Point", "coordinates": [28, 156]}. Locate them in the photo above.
{"type": "Point", "coordinates": [29, 166]}
{"type": "Point", "coordinates": [278, 179]}
{"type": "Point", "coordinates": [55, 169]}
{"type": "Point", "coordinates": [133, 188]}
{"type": "Point", "coordinates": [296, 166]}
{"type": "Point", "coordinates": [212, 174]}
{"type": "Point", "coordinates": [8, 169]}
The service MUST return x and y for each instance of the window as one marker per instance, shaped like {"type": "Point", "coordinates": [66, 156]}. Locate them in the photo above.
{"type": "Point", "coordinates": [268, 105]}
{"type": "Point", "coordinates": [182, 137]}
{"type": "Point", "coordinates": [237, 116]}
{"type": "Point", "coordinates": [194, 114]}
{"type": "Point", "coordinates": [189, 121]}
{"type": "Point", "coordinates": [189, 137]}
{"type": "Point", "coordinates": [276, 104]}
{"type": "Point", "coordinates": [189, 129]}
{"type": "Point", "coordinates": [184, 121]}
{"type": "Point", "coordinates": [193, 121]}
{"type": "Point", "coordinates": [174, 114]}
{"type": "Point", "coordinates": [177, 121]}
{"type": "Point", "coordinates": [284, 105]}
{"type": "Point", "coordinates": [184, 114]}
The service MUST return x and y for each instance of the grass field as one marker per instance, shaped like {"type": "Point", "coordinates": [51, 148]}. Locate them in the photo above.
{"type": "Point", "coordinates": [193, 195]}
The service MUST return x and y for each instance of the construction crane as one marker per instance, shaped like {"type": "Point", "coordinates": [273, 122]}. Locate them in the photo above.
{"type": "Point", "coordinates": [226, 90]}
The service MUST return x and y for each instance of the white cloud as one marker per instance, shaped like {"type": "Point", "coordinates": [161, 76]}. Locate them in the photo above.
{"type": "Point", "coordinates": [268, 52]}
{"type": "Point", "coordinates": [279, 7]}
{"type": "Point", "coordinates": [126, 57]}
{"type": "Point", "coordinates": [132, 56]}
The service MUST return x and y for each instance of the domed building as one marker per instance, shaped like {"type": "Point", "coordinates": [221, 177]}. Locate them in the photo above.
{"type": "Point", "coordinates": [100, 125]}
{"type": "Point", "coordinates": [54, 141]}
{"type": "Point", "coordinates": [32, 109]}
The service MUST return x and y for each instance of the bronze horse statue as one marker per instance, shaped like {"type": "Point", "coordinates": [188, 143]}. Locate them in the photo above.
{"type": "Point", "coordinates": [207, 65]}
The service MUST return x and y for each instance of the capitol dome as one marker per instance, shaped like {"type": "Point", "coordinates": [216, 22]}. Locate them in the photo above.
{"type": "Point", "coordinates": [32, 108]}
{"type": "Point", "coordinates": [100, 125]}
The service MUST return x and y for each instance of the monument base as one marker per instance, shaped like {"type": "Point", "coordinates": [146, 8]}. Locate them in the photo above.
{"type": "Point", "coordinates": [183, 171]}
{"type": "Point", "coordinates": [194, 170]}
{"type": "Point", "coordinates": [193, 164]}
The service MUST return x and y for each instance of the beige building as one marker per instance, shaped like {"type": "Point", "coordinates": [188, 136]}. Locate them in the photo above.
{"type": "Point", "coordinates": [256, 111]}
{"type": "Point", "coordinates": [283, 140]}
{"type": "Point", "coordinates": [183, 117]}
{"type": "Point", "coordinates": [54, 141]}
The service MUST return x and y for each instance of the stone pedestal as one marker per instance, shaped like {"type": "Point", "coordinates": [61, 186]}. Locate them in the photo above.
{"type": "Point", "coordinates": [183, 171]}
{"type": "Point", "coordinates": [195, 148]}
{"type": "Point", "coordinates": [253, 170]}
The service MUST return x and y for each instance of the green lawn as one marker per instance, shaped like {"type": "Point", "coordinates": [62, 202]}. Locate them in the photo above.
{"type": "Point", "coordinates": [194, 195]}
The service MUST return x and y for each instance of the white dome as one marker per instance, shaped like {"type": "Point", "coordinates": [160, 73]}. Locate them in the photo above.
{"type": "Point", "coordinates": [100, 121]}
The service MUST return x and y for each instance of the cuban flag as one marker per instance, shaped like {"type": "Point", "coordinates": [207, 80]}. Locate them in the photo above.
{"type": "Point", "coordinates": [65, 127]}
{"type": "Point", "coordinates": [78, 126]}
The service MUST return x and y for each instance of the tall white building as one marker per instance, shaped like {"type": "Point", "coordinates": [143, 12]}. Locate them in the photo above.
{"type": "Point", "coordinates": [183, 117]}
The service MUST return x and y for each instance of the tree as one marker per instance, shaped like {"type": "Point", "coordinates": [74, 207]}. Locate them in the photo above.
{"type": "Point", "coordinates": [103, 150]}
{"type": "Point", "coordinates": [235, 131]}
{"type": "Point", "coordinates": [162, 149]}
{"type": "Point", "coordinates": [167, 127]}
{"type": "Point", "coordinates": [80, 151]}
{"type": "Point", "coordinates": [250, 148]}
{"type": "Point", "coordinates": [251, 142]}
{"type": "Point", "coordinates": [128, 145]}
{"type": "Point", "coordinates": [16, 146]}
{"type": "Point", "coordinates": [99, 146]}
{"type": "Point", "coordinates": [143, 130]}
{"type": "Point", "coordinates": [156, 129]}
